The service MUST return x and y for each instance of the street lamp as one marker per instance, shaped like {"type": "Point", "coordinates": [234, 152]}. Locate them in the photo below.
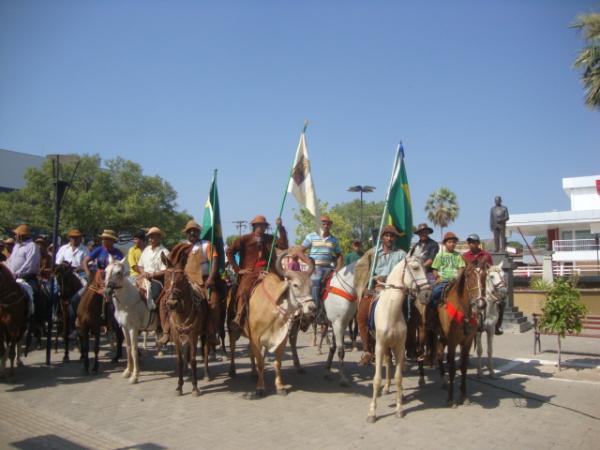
{"type": "Point", "coordinates": [361, 189]}
{"type": "Point", "coordinates": [60, 188]}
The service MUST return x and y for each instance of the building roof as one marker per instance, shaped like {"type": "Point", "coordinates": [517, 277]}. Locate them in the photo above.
{"type": "Point", "coordinates": [538, 223]}
{"type": "Point", "coordinates": [13, 166]}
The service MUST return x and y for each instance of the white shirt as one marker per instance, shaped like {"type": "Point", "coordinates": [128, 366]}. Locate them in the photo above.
{"type": "Point", "coordinates": [74, 256]}
{"type": "Point", "coordinates": [150, 259]}
{"type": "Point", "coordinates": [204, 245]}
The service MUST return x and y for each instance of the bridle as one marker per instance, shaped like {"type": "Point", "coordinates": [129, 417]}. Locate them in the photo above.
{"type": "Point", "coordinates": [495, 286]}
{"type": "Point", "coordinates": [421, 284]}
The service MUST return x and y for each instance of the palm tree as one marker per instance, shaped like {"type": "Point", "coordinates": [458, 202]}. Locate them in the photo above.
{"type": "Point", "coordinates": [442, 208]}
{"type": "Point", "coordinates": [588, 59]}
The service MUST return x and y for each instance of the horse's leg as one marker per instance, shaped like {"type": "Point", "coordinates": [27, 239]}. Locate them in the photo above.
{"type": "Point", "coordinates": [388, 371]}
{"type": "Point", "coordinates": [323, 332]}
{"type": "Point", "coordinates": [376, 382]}
{"type": "Point", "coordinates": [332, 347]}
{"type": "Point", "coordinates": [451, 374]}
{"type": "Point", "coordinates": [133, 337]}
{"type": "Point", "coordinates": [479, 352]}
{"type": "Point", "coordinates": [85, 348]}
{"type": "Point", "coordinates": [180, 365]}
{"type": "Point", "coordinates": [232, 372]}
{"type": "Point", "coordinates": [193, 364]}
{"type": "Point", "coordinates": [11, 355]}
{"type": "Point", "coordinates": [314, 327]}
{"type": "Point", "coordinates": [19, 350]}
{"type": "Point", "coordinates": [422, 336]}
{"type": "Point", "coordinates": [399, 350]}
{"type": "Point", "coordinates": [3, 355]}
{"type": "Point", "coordinates": [252, 361]}
{"type": "Point", "coordinates": [490, 339]}
{"type": "Point", "coordinates": [294, 329]}
{"type": "Point", "coordinates": [96, 349]}
{"type": "Point", "coordinates": [130, 366]}
{"type": "Point", "coordinates": [206, 350]}
{"type": "Point", "coordinates": [119, 337]}
{"type": "Point", "coordinates": [260, 365]}
{"type": "Point", "coordinates": [279, 387]}
{"type": "Point", "coordinates": [464, 360]}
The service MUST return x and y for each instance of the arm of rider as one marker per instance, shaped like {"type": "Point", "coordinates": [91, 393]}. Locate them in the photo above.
{"type": "Point", "coordinates": [210, 281]}
{"type": "Point", "coordinates": [339, 262]}
{"type": "Point", "coordinates": [86, 268]}
{"type": "Point", "coordinates": [231, 252]}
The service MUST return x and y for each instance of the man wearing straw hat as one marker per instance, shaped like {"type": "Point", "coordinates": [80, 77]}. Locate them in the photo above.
{"type": "Point", "coordinates": [74, 253]}
{"type": "Point", "coordinates": [150, 266]}
{"type": "Point", "coordinates": [254, 249]}
{"type": "Point", "coordinates": [24, 262]}
{"type": "Point", "coordinates": [100, 255]}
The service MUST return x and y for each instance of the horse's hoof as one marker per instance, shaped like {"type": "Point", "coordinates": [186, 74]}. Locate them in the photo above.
{"type": "Point", "coordinates": [133, 380]}
{"type": "Point", "coordinates": [207, 378]}
{"type": "Point", "coordinates": [493, 375]}
{"type": "Point", "coordinates": [319, 351]}
{"type": "Point", "coordinates": [421, 382]}
{"type": "Point", "coordinates": [260, 393]}
{"type": "Point", "coordinates": [400, 414]}
{"type": "Point", "coordinates": [465, 402]}
{"type": "Point", "coordinates": [160, 353]}
{"type": "Point", "coordinates": [451, 404]}
{"type": "Point", "coordinates": [386, 391]}
{"type": "Point", "coordinates": [196, 393]}
{"type": "Point", "coordinates": [178, 392]}
{"type": "Point", "coordinates": [65, 359]}
{"type": "Point", "coordinates": [20, 363]}
{"type": "Point", "coordinates": [232, 373]}
{"type": "Point", "coordinates": [371, 419]}
{"type": "Point", "coordinates": [95, 371]}
{"type": "Point", "coordinates": [126, 374]}
{"type": "Point", "coordinates": [283, 392]}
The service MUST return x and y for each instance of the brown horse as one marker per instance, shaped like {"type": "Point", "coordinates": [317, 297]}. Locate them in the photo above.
{"type": "Point", "coordinates": [68, 285]}
{"type": "Point", "coordinates": [187, 317]}
{"type": "Point", "coordinates": [420, 342]}
{"type": "Point", "coordinates": [13, 318]}
{"type": "Point", "coordinates": [457, 324]}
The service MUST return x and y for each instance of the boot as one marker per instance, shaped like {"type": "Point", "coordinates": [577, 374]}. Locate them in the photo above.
{"type": "Point", "coordinates": [164, 339]}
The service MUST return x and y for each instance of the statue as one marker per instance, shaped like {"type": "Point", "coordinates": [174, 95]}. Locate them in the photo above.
{"type": "Point", "coordinates": [498, 219]}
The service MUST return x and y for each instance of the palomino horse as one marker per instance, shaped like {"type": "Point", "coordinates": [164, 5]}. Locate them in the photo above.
{"type": "Point", "coordinates": [407, 277]}
{"type": "Point", "coordinates": [131, 313]}
{"type": "Point", "coordinates": [495, 292]}
{"type": "Point", "coordinates": [458, 324]}
{"type": "Point", "coordinates": [187, 317]}
{"type": "Point", "coordinates": [68, 285]}
{"type": "Point", "coordinates": [13, 319]}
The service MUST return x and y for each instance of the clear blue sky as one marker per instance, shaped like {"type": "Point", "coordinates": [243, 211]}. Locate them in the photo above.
{"type": "Point", "coordinates": [183, 87]}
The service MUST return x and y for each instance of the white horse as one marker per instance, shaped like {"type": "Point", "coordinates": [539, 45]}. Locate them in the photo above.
{"type": "Point", "coordinates": [495, 292]}
{"type": "Point", "coordinates": [131, 312]}
{"type": "Point", "coordinates": [340, 306]}
{"type": "Point", "coordinates": [407, 277]}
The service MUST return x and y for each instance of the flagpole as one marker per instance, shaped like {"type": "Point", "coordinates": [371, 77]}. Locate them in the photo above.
{"type": "Point", "coordinates": [212, 226]}
{"type": "Point", "coordinates": [385, 209]}
{"type": "Point", "coordinates": [283, 202]}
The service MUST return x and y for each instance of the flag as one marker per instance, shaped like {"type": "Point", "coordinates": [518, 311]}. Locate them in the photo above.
{"type": "Point", "coordinates": [399, 204]}
{"type": "Point", "coordinates": [211, 222]}
{"type": "Point", "coordinates": [301, 183]}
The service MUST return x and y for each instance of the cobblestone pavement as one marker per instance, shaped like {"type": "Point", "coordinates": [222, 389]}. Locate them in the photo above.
{"type": "Point", "coordinates": [528, 406]}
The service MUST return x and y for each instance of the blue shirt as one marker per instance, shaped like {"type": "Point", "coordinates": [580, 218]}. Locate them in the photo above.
{"type": "Point", "coordinates": [100, 255]}
{"type": "Point", "coordinates": [387, 261]}
{"type": "Point", "coordinates": [324, 250]}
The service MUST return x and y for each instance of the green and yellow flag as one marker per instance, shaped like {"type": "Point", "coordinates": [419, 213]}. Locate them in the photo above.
{"type": "Point", "coordinates": [399, 203]}
{"type": "Point", "coordinates": [211, 222]}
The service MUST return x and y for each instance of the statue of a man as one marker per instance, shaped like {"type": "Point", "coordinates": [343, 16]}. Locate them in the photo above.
{"type": "Point", "coordinates": [498, 219]}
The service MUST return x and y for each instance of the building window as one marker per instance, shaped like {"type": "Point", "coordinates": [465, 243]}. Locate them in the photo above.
{"type": "Point", "coordinates": [583, 234]}
{"type": "Point", "coordinates": [566, 235]}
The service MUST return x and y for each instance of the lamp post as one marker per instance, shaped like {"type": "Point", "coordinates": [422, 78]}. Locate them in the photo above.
{"type": "Point", "coordinates": [361, 189]}
{"type": "Point", "coordinates": [60, 188]}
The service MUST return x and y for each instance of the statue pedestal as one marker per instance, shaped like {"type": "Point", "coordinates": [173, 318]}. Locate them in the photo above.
{"type": "Point", "coordinates": [514, 321]}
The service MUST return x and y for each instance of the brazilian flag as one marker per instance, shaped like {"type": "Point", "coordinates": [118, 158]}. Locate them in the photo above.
{"type": "Point", "coordinates": [399, 203]}
{"type": "Point", "coordinates": [211, 222]}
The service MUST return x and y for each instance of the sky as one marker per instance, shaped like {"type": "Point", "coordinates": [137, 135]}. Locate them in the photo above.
{"type": "Point", "coordinates": [483, 95]}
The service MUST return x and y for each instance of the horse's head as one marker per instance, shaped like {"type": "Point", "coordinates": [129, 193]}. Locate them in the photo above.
{"type": "Point", "coordinates": [114, 275]}
{"type": "Point", "coordinates": [176, 284]}
{"type": "Point", "coordinates": [495, 285]}
{"type": "Point", "coordinates": [409, 274]}
{"type": "Point", "coordinates": [474, 282]}
{"type": "Point", "coordinates": [299, 286]}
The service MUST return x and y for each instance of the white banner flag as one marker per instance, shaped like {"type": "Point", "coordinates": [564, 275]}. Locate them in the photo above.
{"type": "Point", "coordinates": [301, 182]}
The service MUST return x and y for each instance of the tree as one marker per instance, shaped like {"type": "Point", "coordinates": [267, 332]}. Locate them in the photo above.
{"type": "Point", "coordinates": [442, 208]}
{"type": "Point", "coordinates": [115, 195]}
{"type": "Point", "coordinates": [229, 239]}
{"type": "Point", "coordinates": [588, 59]}
{"type": "Point", "coordinates": [562, 311]}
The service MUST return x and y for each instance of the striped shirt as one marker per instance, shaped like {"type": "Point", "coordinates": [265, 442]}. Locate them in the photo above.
{"type": "Point", "coordinates": [324, 250]}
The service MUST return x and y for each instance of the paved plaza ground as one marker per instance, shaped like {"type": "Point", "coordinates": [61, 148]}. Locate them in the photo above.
{"type": "Point", "coordinates": [529, 406]}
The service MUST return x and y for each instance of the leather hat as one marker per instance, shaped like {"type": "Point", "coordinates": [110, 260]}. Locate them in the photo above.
{"type": "Point", "coordinates": [423, 227]}
{"type": "Point", "coordinates": [155, 230]}
{"type": "Point", "coordinates": [259, 220]}
{"type": "Point", "coordinates": [191, 225]}
{"type": "Point", "coordinates": [74, 233]}
{"type": "Point", "coordinates": [326, 218]}
{"type": "Point", "coordinates": [22, 230]}
{"type": "Point", "coordinates": [473, 238]}
{"type": "Point", "coordinates": [449, 235]}
{"type": "Point", "coordinates": [109, 234]}
{"type": "Point", "coordinates": [389, 229]}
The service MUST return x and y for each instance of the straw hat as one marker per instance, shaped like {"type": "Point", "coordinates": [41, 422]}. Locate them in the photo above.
{"type": "Point", "coordinates": [22, 230]}
{"type": "Point", "coordinates": [449, 235]}
{"type": "Point", "coordinates": [109, 234]}
{"type": "Point", "coordinates": [9, 241]}
{"type": "Point", "coordinates": [74, 233]}
{"type": "Point", "coordinates": [389, 229]}
{"type": "Point", "coordinates": [423, 227]}
{"type": "Point", "coordinates": [155, 230]}
{"type": "Point", "coordinates": [191, 225]}
{"type": "Point", "coordinates": [259, 220]}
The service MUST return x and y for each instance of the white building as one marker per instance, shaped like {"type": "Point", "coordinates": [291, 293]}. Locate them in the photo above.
{"type": "Point", "coordinates": [572, 235]}
{"type": "Point", "coordinates": [13, 166]}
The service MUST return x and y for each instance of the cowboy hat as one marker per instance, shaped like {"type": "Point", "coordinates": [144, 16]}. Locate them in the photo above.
{"type": "Point", "coordinates": [9, 241]}
{"type": "Point", "coordinates": [389, 229]}
{"type": "Point", "coordinates": [40, 239]}
{"type": "Point", "coordinates": [74, 233]}
{"type": "Point", "coordinates": [259, 220]}
{"type": "Point", "coordinates": [155, 230]}
{"type": "Point", "coordinates": [109, 234]}
{"type": "Point", "coordinates": [22, 230]}
{"type": "Point", "coordinates": [448, 236]}
{"type": "Point", "coordinates": [326, 218]}
{"type": "Point", "coordinates": [191, 225]}
{"type": "Point", "coordinates": [423, 227]}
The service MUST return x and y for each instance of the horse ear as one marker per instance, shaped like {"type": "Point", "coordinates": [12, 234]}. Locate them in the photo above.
{"type": "Point", "coordinates": [501, 264]}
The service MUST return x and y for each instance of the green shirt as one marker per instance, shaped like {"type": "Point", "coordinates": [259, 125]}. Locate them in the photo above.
{"type": "Point", "coordinates": [447, 264]}
{"type": "Point", "coordinates": [351, 257]}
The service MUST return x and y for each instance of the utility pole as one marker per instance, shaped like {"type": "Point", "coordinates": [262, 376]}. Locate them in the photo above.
{"type": "Point", "coordinates": [240, 225]}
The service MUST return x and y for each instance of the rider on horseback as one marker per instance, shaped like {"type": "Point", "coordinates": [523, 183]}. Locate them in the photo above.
{"type": "Point", "coordinates": [446, 266]}
{"type": "Point", "coordinates": [24, 263]}
{"type": "Point", "coordinates": [150, 266]}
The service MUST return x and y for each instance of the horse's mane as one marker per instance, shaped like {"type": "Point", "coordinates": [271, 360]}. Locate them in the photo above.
{"type": "Point", "coordinates": [179, 254]}
{"type": "Point", "coordinates": [6, 272]}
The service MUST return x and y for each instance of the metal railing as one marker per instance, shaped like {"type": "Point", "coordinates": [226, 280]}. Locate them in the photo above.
{"type": "Point", "coordinates": [558, 270]}
{"type": "Point", "coordinates": [574, 245]}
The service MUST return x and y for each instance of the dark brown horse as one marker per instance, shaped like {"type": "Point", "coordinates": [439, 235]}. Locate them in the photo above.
{"type": "Point", "coordinates": [187, 315]}
{"type": "Point", "coordinates": [68, 285]}
{"type": "Point", "coordinates": [457, 324]}
{"type": "Point", "coordinates": [13, 318]}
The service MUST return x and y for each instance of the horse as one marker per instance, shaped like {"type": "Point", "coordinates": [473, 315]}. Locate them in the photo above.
{"type": "Point", "coordinates": [13, 319]}
{"type": "Point", "coordinates": [408, 276]}
{"type": "Point", "coordinates": [457, 324]}
{"type": "Point", "coordinates": [188, 314]}
{"type": "Point", "coordinates": [495, 292]}
{"type": "Point", "coordinates": [69, 284]}
{"type": "Point", "coordinates": [131, 313]}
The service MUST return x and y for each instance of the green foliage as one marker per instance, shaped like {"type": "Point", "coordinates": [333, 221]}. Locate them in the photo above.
{"type": "Point", "coordinates": [229, 240]}
{"type": "Point", "coordinates": [539, 284]}
{"type": "Point", "coordinates": [442, 208]}
{"type": "Point", "coordinates": [346, 222]}
{"type": "Point", "coordinates": [515, 244]}
{"type": "Point", "coordinates": [117, 196]}
{"type": "Point", "coordinates": [540, 242]}
{"type": "Point", "coordinates": [562, 311]}
{"type": "Point", "coordinates": [588, 59]}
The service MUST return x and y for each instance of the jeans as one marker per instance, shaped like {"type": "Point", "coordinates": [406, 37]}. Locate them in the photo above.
{"type": "Point", "coordinates": [317, 278]}
{"type": "Point", "coordinates": [436, 294]}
